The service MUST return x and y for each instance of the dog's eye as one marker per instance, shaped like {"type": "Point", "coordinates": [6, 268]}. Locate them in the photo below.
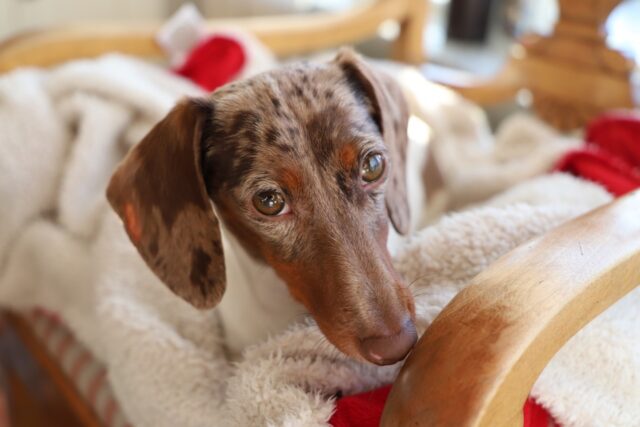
{"type": "Point", "coordinates": [269, 202]}
{"type": "Point", "coordinates": [372, 167]}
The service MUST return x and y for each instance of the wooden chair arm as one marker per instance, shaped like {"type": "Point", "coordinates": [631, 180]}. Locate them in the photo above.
{"type": "Point", "coordinates": [476, 364]}
{"type": "Point", "coordinates": [284, 35]}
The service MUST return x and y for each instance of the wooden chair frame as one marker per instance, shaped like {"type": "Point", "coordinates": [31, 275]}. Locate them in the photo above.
{"type": "Point", "coordinates": [571, 75]}
{"type": "Point", "coordinates": [527, 304]}
{"type": "Point", "coordinates": [283, 35]}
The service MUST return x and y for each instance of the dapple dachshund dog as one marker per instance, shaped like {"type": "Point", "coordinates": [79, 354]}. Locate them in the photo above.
{"type": "Point", "coordinates": [282, 185]}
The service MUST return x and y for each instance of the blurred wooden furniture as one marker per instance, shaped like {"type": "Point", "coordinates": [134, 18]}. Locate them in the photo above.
{"type": "Point", "coordinates": [572, 75]}
{"type": "Point", "coordinates": [284, 35]}
{"type": "Point", "coordinates": [569, 275]}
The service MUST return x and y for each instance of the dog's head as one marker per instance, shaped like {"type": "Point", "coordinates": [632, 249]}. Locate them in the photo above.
{"type": "Point", "coordinates": [305, 166]}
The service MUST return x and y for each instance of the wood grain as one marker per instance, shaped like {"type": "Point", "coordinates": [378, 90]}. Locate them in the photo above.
{"type": "Point", "coordinates": [476, 363]}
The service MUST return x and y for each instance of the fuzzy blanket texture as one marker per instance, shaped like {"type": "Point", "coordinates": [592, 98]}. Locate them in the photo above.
{"type": "Point", "coordinates": [610, 157]}
{"type": "Point", "coordinates": [62, 248]}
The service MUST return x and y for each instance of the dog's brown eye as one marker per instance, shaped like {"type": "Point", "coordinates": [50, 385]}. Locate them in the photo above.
{"type": "Point", "coordinates": [372, 167]}
{"type": "Point", "coordinates": [269, 202]}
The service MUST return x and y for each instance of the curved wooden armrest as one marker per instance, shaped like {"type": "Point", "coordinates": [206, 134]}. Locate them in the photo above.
{"type": "Point", "coordinates": [477, 362]}
{"type": "Point", "coordinates": [284, 35]}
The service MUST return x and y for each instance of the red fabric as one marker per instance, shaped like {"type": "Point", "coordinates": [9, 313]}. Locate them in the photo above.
{"type": "Point", "coordinates": [213, 62]}
{"type": "Point", "coordinates": [365, 410]}
{"type": "Point", "coordinates": [612, 155]}
{"type": "Point", "coordinates": [360, 410]}
{"type": "Point", "coordinates": [534, 415]}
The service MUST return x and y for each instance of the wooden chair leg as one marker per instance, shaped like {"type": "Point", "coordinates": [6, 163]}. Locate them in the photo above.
{"type": "Point", "coordinates": [409, 46]}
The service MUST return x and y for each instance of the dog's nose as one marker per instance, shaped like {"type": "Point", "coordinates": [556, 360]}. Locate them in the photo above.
{"type": "Point", "coordinates": [388, 349]}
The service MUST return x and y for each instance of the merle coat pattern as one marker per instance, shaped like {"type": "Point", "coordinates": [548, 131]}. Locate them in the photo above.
{"type": "Point", "coordinates": [302, 130]}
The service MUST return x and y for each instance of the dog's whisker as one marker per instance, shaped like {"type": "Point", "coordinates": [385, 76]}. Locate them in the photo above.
{"type": "Point", "coordinates": [319, 345]}
{"type": "Point", "coordinates": [420, 294]}
{"type": "Point", "coordinates": [415, 282]}
{"type": "Point", "coordinates": [301, 317]}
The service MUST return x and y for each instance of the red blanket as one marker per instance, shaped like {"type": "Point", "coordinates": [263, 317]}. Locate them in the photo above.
{"type": "Point", "coordinates": [610, 158]}
{"type": "Point", "coordinates": [612, 155]}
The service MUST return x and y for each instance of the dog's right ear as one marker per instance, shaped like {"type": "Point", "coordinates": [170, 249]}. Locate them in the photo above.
{"type": "Point", "coordinates": [391, 114]}
{"type": "Point", "coordinates": [159, 192]}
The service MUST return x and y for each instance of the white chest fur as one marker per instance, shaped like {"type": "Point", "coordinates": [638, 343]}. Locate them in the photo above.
{"type": "Point", "coordinates": [257, 303]}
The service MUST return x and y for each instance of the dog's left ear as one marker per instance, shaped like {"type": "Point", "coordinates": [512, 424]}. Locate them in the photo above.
{"type": "Point", "coordinates": [159, 192]}
{"type": "Point", "coordinates": [390, 112]}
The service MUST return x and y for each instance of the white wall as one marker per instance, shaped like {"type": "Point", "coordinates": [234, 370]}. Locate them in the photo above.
{"type": "Point", "coordinates": [20, 15]}
{"type": "Point", "coordinates": [4, 18]}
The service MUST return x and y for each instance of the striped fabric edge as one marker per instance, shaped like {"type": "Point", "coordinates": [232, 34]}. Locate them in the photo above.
{"type": "Point", "coordinates": [86, 372]}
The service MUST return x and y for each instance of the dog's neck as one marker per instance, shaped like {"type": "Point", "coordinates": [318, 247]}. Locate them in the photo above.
{"type": "Point", "coordinates": [257, 303]}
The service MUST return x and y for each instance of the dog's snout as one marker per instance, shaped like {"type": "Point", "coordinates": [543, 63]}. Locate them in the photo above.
{"type": "Point", "coordinates": [388, 349]}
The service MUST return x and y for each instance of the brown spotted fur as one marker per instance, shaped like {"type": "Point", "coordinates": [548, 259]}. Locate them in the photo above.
{"type": "Point", "coordinates": [302, 129]}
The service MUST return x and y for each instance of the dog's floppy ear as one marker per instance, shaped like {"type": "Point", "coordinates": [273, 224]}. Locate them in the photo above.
{"type": "Point", "coordinates": [390, 111]}
{"type": "Point", "coordinates": [159, 192]}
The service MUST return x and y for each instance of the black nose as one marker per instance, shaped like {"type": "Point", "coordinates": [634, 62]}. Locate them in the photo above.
{"type": "Point", "coordinates": [388, 349]}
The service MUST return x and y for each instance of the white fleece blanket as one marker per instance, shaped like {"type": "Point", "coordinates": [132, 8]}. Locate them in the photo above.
{"type": "Point", "coordinates": [62, 248]}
